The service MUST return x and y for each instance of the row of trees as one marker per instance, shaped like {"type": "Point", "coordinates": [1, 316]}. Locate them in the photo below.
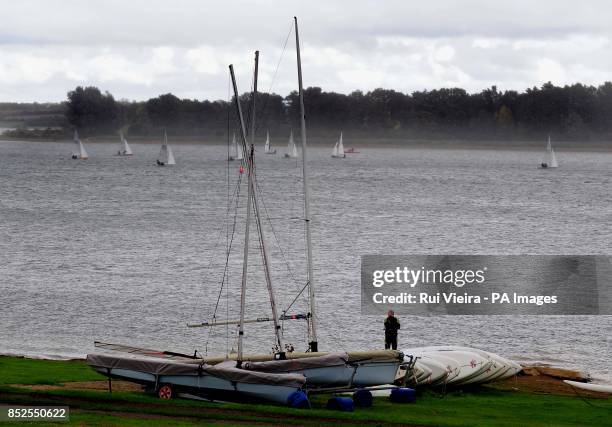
{"type": "Point", "coordinates": [575, 112]}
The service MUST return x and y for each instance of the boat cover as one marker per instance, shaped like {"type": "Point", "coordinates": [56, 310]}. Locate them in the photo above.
{"type": "Point", "coordinates": [376, 356]}
{"type": "Point", "coordinates": [354, 356]}
{"type": "Point", "coordinates": [298, 364]}
{"type": "Point", "coordinates": [166, 367]}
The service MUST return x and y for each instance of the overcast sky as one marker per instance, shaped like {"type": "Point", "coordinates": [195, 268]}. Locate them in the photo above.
{"type": "Point", "coordinates": [137, 49]}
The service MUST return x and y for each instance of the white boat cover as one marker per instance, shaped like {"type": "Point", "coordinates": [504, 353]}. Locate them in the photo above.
{"type": "Point", "coordinates": [166, 367]}
{"type": "Point", "coordinates": [288, 365]}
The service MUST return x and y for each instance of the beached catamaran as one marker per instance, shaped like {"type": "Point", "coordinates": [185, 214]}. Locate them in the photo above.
{"type": "Point", "coordinates": [225, 379]}
{"type": "Point", "coordinates": [318, 369]}
{"type": "Point", "coordinates": [550, 159]}
{"type": "Point", "coordinates": [338, 369]}
{"type": "Point", "coordinates": [124, 149]}
{"type": "Point", "coordinates": [338, 151]}
{"type": "Point", "coordinates": [165, 157]}
{"type": "Point", "coordinates": [80, 153]}
{"type": "Point", "coordinates": [291, 148]}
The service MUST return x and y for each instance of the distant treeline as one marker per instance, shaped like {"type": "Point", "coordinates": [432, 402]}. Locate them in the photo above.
{"type": "Point", "coordinates": [576, 112]}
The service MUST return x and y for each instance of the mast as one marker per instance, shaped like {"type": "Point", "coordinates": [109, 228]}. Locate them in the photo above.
{"type": "Point", "coordinates": [262, 240]}
{"type": "Point", "coordinates": [245, 261]}
{"type": "Point", "coordinates": [256, 71]}
{"type": "Point", "coordinates": [313, 344]}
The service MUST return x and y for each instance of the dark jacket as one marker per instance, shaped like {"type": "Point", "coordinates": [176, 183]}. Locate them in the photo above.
{"type": "Point", "coordinates": [391, 326]}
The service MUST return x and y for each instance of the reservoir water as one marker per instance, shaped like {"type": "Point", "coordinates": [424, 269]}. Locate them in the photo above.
{"type": "Point", "coordinates": [117, 249]}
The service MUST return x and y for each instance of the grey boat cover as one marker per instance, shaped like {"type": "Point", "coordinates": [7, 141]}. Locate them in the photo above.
{"type": "Point", "coordinates": [298, 364]}
{"type": "Point", "coordinates": [375, 356]}
{"type": "Point", "coordinates": [354, 356]}
{"type": "Point", "coordinates": [167, 367]}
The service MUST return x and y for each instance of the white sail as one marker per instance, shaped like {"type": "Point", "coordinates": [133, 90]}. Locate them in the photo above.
{"type": "Point", "coordinates": [162, 157]}
{"type": "Point", "coordinates": [237, 151]}
{"type": "Point", "coordinates": [170, 156]}
{"type": "Point", "coordinates": [291, 147]}
{"type": "Point", "coordinates": [165, 157]}
{"type": "Point", "coordinates": [294, 152]}
{"type": "Point", "coordinates": [553, 159]}
{"type": "Point", "coordinates": [335, 150]}
{"type": "Point", "coordinates": [125, 149]}
{"type": "Point", "coordinates": [80, 152]}
{"type": "Point", "coordinates": [550, 159]}
{"type": "Point", "coordinates": [267, 146]}
{"type": "Point", "coordinates": [340, 147]}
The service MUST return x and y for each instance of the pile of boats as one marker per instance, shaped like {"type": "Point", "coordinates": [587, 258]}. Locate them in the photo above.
{"type": "Point", "coordinates": [264, 378]}
{"type": "Point", "coordinates": [457, 366]}
{"type": "Point", "coordinates": [285, 377]}
{"type": "Point", "coordinates": [252, 378]}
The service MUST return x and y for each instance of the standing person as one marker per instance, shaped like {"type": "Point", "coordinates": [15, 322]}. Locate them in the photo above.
{"type": "Point", "coordinates": [392, 325]}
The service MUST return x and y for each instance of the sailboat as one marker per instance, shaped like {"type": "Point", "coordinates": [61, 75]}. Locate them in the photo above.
{"type": "Point", "coordinates": [124, 149]}
{"type": "Point", "coordinates": [267, 148]}
{"type": "Point", "coordinates": [550, 159]}
{"type": "Point", "coordinates": [320, 369]}
{"type": "Point", "coordinates": [291, 148]}
{"type": "Point", "coordinates": [338, 151]}
{"type": "Point", "coordinates": [165, 157]}
{"type": "Point", "coordinates": [237, 151]}
{"type": "Point", "coordinates": [226, 379]}
{"type": "Point", "coordinates": [80, 153]}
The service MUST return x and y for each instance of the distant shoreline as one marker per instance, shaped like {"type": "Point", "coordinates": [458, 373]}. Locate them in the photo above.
{"type": "Point", "coordinates": [361, 142]}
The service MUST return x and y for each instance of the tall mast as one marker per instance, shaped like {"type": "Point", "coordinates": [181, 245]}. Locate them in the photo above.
{"type": "Point", "coordinates": [245, 261]}
{"type": "Point", "coordinates": [255, 74]}
{"type": "Point", "coordinates": [262, 240]}
{"type": "Point", "coordinates": [313, 344]}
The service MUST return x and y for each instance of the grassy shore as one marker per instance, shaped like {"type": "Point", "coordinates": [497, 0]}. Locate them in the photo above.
{"type": "Point", "coordinates": [72, 383]}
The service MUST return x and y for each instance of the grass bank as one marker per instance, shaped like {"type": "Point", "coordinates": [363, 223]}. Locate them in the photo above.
{"type": "Point", "coordinates": [72, 383]}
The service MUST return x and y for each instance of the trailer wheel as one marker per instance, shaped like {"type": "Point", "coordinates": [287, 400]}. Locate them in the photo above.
{"type": "Point", "coordinates": [165, 392]}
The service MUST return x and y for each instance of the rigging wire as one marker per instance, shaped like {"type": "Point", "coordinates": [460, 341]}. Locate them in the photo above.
{"type": "Point", "coordinates": [236, 196]}
{"type": "Point", "coordinates": [280, 59]}
{"type": "Point", "coordinates": [227, 228]}
{"type": "Point", "coordinates": [229, 235]}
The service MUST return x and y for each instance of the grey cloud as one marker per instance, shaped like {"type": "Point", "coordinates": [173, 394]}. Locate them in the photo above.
{"type": "Point", "coordinates": [139, 49]}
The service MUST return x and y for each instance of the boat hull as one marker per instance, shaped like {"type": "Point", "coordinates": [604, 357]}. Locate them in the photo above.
{"type": "Point", "coordinates": [324, 370]}
{"type": "Point", "coordinates": [206, 386]}
{"type": "Point", "coordinates": [215, 383]}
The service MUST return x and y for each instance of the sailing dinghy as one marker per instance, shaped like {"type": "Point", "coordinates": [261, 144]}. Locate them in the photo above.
{"type": "Point", "coordinates": [165, 157]}
{"type": "Point", "coordinates": [124, 149]}
{"type": "Point", "coordinates": [237, 152]}
{"type": "Point", "coordinates": [550, 159]}
{"type": "Point", "coordinates": [267, 148]}
{"type": "Point", "coordinates": [291, 148]}
{"type": "Point", "coordinates": [338, 151]}
{"type": "Point", "coordinates": [80, 153]}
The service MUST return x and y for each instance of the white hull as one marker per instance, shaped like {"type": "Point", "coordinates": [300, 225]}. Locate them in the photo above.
{"type": "Point", "coordinates": [475, 366]}
{"type": "Point", "coordinates": [599, 388]}
{"type": "Point", "coordinates": [366, 374]}
{"type": "Point", "coordinates": [207, 385]}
